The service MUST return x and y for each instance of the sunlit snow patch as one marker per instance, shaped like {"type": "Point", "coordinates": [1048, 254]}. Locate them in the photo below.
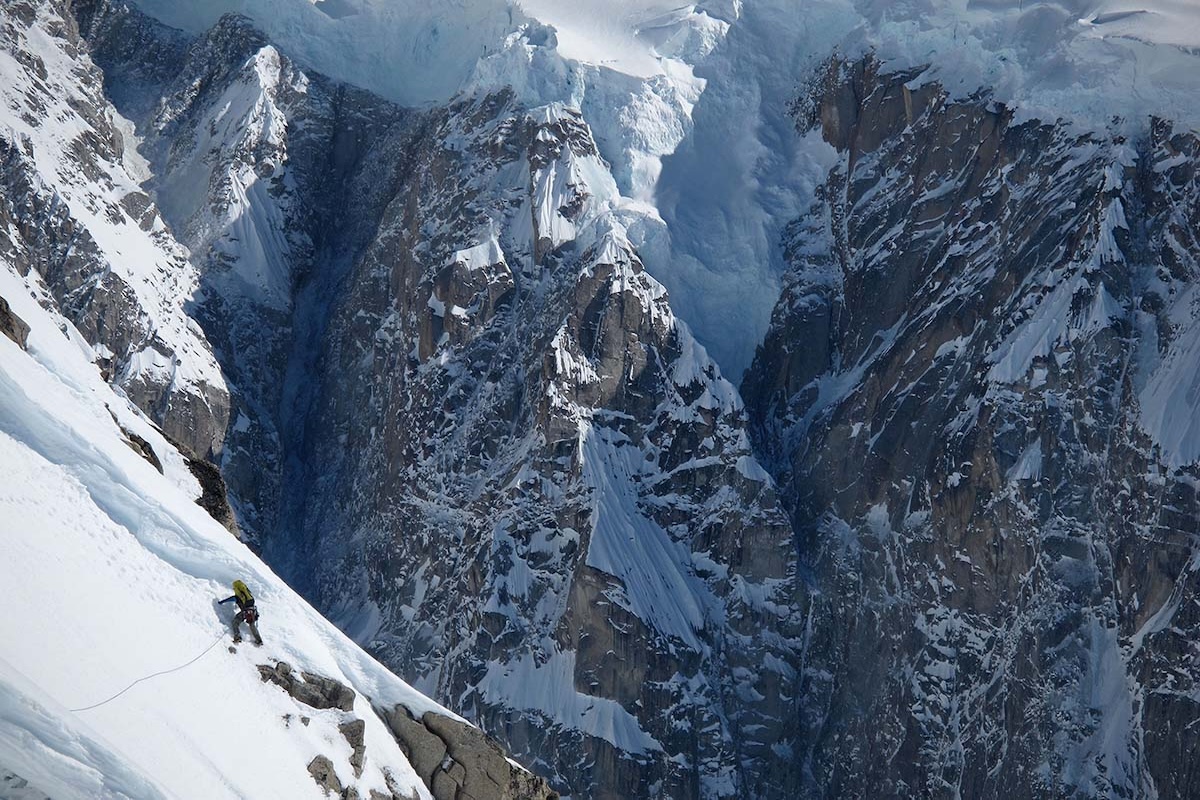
{"type": "Point", "coordinates": [549, 688]}
{"type": "Point", "coordinates": [653, 569]}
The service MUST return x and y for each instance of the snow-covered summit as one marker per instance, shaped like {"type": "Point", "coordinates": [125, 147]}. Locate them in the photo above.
{"type": "Point", "coordinates": [409, 51]}
{"type": "Point", "coordinates": [1078, 60]}
{"type": "Point", "coordinates": [635, 37]}
{"type": "Point", "coordinates": [1090, 58]}
{"type": "Point", "coordinates": [415, 52]}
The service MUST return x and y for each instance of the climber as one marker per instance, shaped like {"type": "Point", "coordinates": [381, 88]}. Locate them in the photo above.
{"type": "Point", "coordinates": [247, 613]}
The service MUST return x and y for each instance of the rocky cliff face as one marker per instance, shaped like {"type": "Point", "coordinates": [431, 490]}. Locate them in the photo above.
{"type": "Point", "coordinates": [272, 178]}
{"type": "Point", "coordinates": [75, 224]}
{"type": "Point", "coordinates": [566, 527]}
{"type": "Point", "coordinates": [13, 326]}
{"type": "Point", "coordinates": [466, 420]}
{"type": "Point", "coordinates": [454, 760]}
{"type": "Point", "coordinates": [974, 398]}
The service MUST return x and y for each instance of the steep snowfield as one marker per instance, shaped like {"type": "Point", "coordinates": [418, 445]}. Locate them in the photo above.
{"type": "Point", "coordinates": [111, 573]}
{"type": "Point", "coordinates": [635, 37]}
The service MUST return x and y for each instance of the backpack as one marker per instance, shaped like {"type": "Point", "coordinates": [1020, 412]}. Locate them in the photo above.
{"type": "Point", "coordinates": [242, 593]}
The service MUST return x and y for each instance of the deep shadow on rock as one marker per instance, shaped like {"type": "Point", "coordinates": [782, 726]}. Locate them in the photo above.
{"type": "Point", "coordinates": [142, 448]}
{"type": "Point", "coordinates": [212, 486]}
{"type": "Point", "coordinates": [214, 496]}
{"type": "Point", "coordinates": [138, 444]}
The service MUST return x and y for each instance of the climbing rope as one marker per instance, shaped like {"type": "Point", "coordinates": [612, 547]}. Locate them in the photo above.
{"type": "Point", "coordinates": [155, 675]}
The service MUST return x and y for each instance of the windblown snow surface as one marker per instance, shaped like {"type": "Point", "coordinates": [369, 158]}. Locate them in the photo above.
{"type": "Point", "coordinates": [110, 573]}
{"type": "Point", "coordinates": [690, 103]}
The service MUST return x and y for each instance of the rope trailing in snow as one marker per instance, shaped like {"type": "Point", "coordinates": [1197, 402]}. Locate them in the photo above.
{"type": "Point", "coordinates": [155, 675]}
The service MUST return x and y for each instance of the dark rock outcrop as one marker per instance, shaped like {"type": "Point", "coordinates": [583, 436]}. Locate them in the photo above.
{"type": "Point", "coordinates": [214, 497]}
{"type": "Point", "coordinates": [13, 326]}
{"type": "Point", "coordinates": [353, 732]}
{"type": "Point", "coordinates": [313, 690]}
{"type": "Point", "coordinates": [214, 493]}
{"type": "Point", "coordinates": [321, 768]}
{"type": "Point", "coordinates": [458, 761]}
{"type": "Point", "coordinates": [321, 692]}
{"type": "Point", "coordinates": [955, 397]}
{"type": "Point", "coordinates": [13, 785]}
{"type": "Point", "coordinates": [143, 448]}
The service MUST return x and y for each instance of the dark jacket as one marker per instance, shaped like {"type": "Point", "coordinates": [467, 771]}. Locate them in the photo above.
{"type": "Point", "coordinates": [241, 605]}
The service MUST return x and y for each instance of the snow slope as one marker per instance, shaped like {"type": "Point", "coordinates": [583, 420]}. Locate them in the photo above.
{"type": "Point", "coordinates": [635, 37]}
{"type": "Point", "coordinates": [111, 573]}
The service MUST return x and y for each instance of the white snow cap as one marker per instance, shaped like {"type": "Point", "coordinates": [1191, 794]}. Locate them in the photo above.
{"type": "Point", "coordinates": [1077, 58]}
{"type": "Point", "coordinates": [1084, 60]}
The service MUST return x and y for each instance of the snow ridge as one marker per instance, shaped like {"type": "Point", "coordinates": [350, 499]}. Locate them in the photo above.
{"type": "Point", "coordinates": [137, 563]}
